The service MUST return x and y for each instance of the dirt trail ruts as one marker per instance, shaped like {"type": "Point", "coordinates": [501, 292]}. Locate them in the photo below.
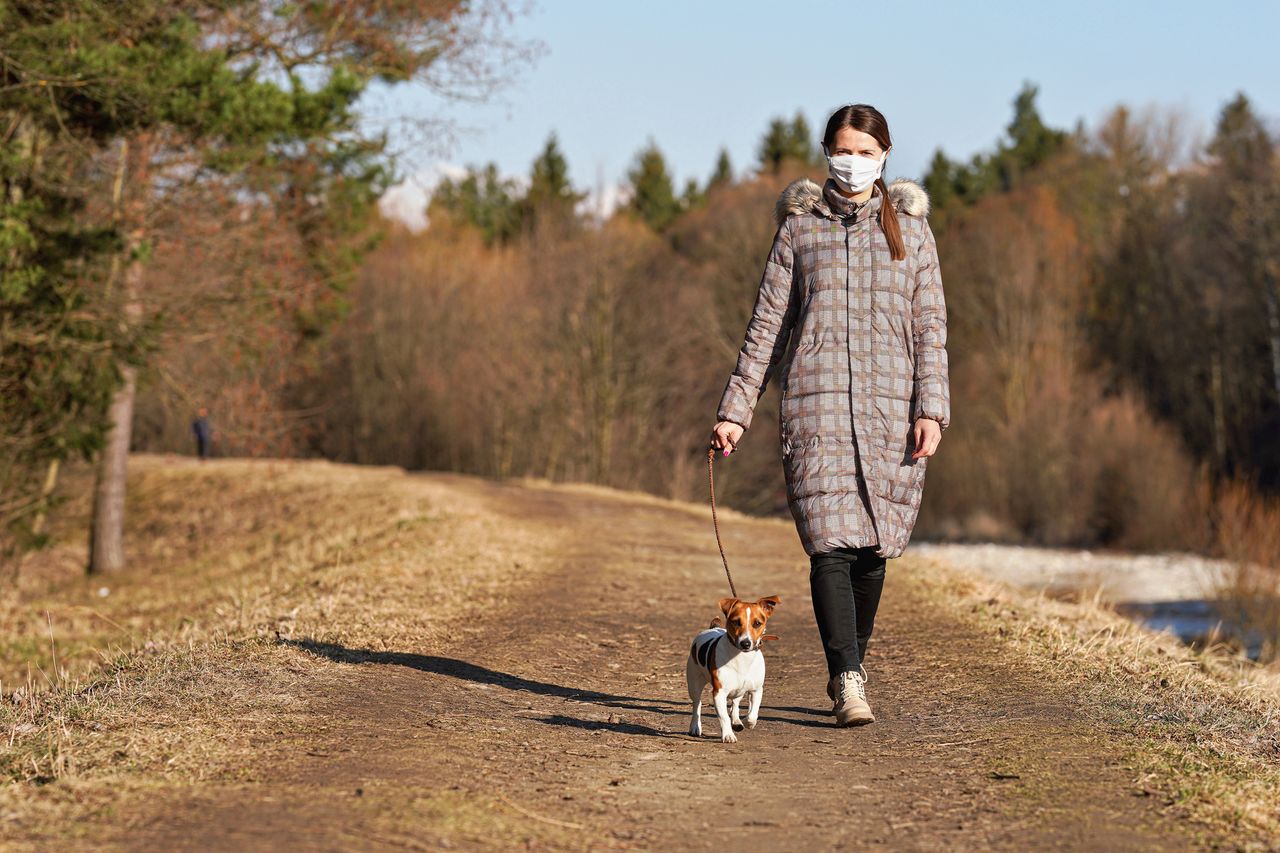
{"type": "Point", "coordinates": [566, 708]}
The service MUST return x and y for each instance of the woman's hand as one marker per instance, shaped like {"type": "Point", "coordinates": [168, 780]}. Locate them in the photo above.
{"type": "Point", "coordinates": [927, 434]}
{"type": "Point", "coordinates": [725, 436]}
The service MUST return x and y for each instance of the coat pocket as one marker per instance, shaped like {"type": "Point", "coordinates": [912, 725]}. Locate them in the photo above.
{"type": "Point", "coordinates": [903, 478]}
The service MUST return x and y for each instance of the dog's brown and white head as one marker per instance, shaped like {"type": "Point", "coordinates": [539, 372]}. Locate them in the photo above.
{"type": "Point", "coordinates": [746, 620]}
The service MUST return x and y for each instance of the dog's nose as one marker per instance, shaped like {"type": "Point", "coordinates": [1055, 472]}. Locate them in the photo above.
{"type": "Point", "coordinates": [745, 644]}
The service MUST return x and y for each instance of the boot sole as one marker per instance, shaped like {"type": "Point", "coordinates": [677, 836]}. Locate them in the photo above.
{"type": "Point", "coordinates": [855, 721]}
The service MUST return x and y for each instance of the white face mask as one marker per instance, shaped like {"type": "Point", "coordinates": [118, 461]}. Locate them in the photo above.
{"type": "Point", "coordinates": [853, 172]}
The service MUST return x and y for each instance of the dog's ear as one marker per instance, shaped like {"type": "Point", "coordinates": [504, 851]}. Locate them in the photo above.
{"type": "Point", "coordinates": [726, 604]}
{"type": "Point", "coordinates": [770, 637]}
{"type": "Point", "coordinates": [768, 603]}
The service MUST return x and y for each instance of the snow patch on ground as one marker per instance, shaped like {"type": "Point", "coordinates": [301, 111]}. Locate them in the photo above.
{"type": "Point", "coordinates": [1122, 578]}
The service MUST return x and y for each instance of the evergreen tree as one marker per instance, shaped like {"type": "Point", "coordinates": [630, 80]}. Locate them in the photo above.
{"type": "Point", "coordinates": [774, 146]}
{"type": "Point", "coordinates": [692, 196]}
{"type": "Point", "coordinates": [786, 141]}
{"type": "Point", "coordinates": [1240, 143]}
{"type": "Point", "coordinates": [483, 199]}
{"type": "Point", "coordinates": [940, 180]}
{"type": "Point", "coordinates": [550, 176]}
{"type": "Point", "coordinates": [1244, 197]}
{"type": "Point", "coordinates": [653, 197]}
{"type": "Point", "coordinates": [723, 174]}
{"type": "Point", "coordinates": [550, 195]}
{"type": "Point", "coordinates": [1030, 142]}
{"type": "Point", "coordinates": [802, 147]}
{"type": "Point", "coordinates": [258, 96]}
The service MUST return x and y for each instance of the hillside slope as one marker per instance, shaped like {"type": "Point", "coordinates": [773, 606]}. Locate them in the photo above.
{"type": "Point", "coordinates": [328, 656]}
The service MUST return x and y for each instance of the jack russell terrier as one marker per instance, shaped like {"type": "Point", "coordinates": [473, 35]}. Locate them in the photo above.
{"type": "Point", "coordinates": [729, 659]}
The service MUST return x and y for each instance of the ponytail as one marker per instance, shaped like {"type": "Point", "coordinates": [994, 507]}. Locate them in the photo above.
{"type": "Point", "coordinates": [889, 223]}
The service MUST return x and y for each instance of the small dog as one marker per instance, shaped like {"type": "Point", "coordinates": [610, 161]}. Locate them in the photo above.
{"type": "Point", "coordinates": [729, 659]}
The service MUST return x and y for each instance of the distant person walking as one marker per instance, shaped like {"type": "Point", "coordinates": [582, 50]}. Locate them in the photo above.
{"type": "Point", "coordinates": [850, 312]}
{"type": "Point", "coordinates": [203, 432]}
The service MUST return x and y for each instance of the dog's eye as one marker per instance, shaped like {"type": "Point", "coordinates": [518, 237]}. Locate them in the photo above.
{"type": "Point", "coordinates": [756, 624]}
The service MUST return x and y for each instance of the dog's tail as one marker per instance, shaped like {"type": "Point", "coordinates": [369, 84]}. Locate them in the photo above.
{"type": "Point", "coordinates": [716, 623]}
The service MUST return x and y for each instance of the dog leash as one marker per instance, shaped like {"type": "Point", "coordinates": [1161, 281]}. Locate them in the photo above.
{"type": "Point", "coordinates": [711, 476]}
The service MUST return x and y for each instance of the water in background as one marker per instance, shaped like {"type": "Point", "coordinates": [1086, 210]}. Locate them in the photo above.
{"type": "Point", "coordinates": [1191, 620]}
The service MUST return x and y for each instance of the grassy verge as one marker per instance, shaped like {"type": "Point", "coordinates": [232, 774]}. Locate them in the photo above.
{"type": "Point", "coordinates": [128, 696]}
{"type": "Point", "coordinates": [1207, 724]}
{"type": "Point", "coordinates": [115, 698]}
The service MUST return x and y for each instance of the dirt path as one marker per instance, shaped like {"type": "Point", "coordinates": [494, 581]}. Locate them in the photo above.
{"type": "Point", "coordinates": [560, 720]}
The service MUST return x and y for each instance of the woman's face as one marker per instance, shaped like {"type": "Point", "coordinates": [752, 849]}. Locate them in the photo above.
{"type": "Point", "coordinates": [850, 141]}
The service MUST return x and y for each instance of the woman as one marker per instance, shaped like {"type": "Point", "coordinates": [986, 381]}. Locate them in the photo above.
{"type": "Point", "coordinates": [851, 311]}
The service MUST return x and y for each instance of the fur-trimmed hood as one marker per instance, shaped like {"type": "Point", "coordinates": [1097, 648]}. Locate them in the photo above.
{"type": "Point", "coordinates": [804, 196]}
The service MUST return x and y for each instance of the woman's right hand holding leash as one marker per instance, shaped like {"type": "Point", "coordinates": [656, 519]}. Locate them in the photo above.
{"type": "Point", "coordinates": [726, 435]}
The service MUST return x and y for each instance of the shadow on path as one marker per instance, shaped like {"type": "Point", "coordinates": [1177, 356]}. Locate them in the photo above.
{"type": "Point", "coordinates": [476, 674]}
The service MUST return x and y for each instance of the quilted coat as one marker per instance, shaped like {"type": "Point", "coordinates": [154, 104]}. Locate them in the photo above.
{"type": "Point", "coordinates": [859, 343]}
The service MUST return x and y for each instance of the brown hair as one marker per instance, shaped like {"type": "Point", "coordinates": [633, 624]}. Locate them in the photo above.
{"type": "Point", "coordinates": [868, 119]}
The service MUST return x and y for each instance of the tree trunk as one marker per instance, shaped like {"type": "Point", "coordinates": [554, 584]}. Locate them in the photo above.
{"type": "Point", "coordinates": [1271, 297]}
{"type": "Point", "coordinates": [50, 483]}
{"type": "Point", "coordinates": [106, 537]}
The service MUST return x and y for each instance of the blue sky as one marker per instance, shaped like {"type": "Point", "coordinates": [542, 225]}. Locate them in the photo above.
{"type": "Point", "coordinates": [698, 76]}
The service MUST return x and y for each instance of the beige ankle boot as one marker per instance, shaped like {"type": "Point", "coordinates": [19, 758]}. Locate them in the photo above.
{"type": "Point", "coordinates": [851, 708]}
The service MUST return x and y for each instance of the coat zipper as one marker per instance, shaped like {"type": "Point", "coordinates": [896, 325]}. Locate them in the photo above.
{"type": "Point", "coordinates": [858, 449]}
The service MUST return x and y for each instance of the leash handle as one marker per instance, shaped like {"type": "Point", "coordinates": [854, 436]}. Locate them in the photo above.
{"type": "Point", "coordinates": [711, 477]}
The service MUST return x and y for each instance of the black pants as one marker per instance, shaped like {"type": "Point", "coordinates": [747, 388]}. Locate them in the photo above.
{"type": "Point", "coordinates": [845, 584]}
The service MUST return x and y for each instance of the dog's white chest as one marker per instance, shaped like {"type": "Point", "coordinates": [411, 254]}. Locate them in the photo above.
{"type": "Point", "coordinates": [742, 673]}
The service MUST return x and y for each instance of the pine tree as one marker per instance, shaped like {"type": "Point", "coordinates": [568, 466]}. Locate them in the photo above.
{"type": "Point", "coordinates": [787, 141]}
{"type": "Point", "coordinates": [259, 96]}
{"type": "Point", "coordinates": [551, 196]}
{"type": "Point", "coordinates": [653, 197]}
{"type": "Point", "coordinates": [692, 196]}
{"type": "Point", "coordinates": [723, 174]}
{"type": "Point", "coordinates": [939, 181]}
{"type": "Point", "coordinates": [484, 199]}
{"type": "Point", "coordinates": [801, 146]}
{"type": "Point", "coordinates": [1248, 186]}
{"type": "Point", "coordinates": [775, 146]}
{"type": "Point", "coordinates": [1030, 141]}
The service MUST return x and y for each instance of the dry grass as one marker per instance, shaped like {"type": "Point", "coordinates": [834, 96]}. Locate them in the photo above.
{"type": "Point", "coordinates": [1209, 721]}
{"type": "Point", "coordinates": [229, 555]}
{"type": "Point", "coordinates": [135, 688]}
{"type": "Point", "coordinates": [1249, 535]}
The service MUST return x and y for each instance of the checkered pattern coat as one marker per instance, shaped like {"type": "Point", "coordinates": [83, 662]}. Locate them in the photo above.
{"type": "Point", "coordinates": [859, 343]}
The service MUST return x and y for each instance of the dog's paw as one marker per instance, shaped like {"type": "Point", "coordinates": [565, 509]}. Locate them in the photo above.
{"type": "Point", "coordinates": [738, 726]}
{"type": "Point", "coordinates": [728, 737]}
{"type": "Point", "coordinates": [751, 724]}
{"type": "Point", "coordinates": [695, 731]}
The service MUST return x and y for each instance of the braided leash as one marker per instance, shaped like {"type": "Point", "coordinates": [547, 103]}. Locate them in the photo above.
{"type": "Point", "coordinates": [711, 476]}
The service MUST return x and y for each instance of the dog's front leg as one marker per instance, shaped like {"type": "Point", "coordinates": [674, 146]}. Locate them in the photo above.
{"type": "Point", "coordinates": [721, 698]}
{"type": "Point", "coordinates": [753, 712]}
{"type": "Point", "coordinates": [736, 716]}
